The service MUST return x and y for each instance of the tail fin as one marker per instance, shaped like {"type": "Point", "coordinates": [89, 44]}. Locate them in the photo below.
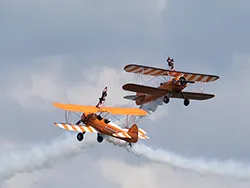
{"type": "Point", "coordinates": [133, 132]}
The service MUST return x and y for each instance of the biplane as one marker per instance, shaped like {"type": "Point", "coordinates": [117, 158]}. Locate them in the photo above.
{"type": "Point", "coordinates": [172, 88]}
{"type": "Point", "coordinates": [93, 121]}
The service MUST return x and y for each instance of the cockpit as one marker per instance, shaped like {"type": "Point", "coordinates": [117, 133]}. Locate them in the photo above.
{"type": "Point", "coordinates": [105, 120]}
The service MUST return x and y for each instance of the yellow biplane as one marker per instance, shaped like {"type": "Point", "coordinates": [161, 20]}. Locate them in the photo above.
{"type": "Point", "coordinates": [94, 122]}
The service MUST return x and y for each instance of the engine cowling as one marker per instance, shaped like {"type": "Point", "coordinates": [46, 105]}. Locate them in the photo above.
{"type": "Point", "coordinates": [182, 80]}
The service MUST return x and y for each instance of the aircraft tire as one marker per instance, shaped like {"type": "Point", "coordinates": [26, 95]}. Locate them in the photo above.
{"type": "Point", "coordinates": [99, 138]}
{"type": "Point", "coordinates": [186, 102]}
{"type": "Point", "coordinates": [80, 136]}
{"type": "Point", "coordinates": [166, 99]}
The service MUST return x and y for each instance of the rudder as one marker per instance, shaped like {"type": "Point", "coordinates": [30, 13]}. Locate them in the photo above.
{"type": "Point", "coordinates": [133, 132]}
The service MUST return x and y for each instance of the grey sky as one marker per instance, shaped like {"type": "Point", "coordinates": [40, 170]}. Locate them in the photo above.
{"type": "Point", "coordinates": [50, 48]}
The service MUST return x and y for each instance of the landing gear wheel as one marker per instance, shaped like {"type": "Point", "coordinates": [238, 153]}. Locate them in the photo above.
{"type": "Point", "coordinates": [99, 138]}
{"type": "Point", "coordinates": [166, 99]}
{"type": "Point", "coordinates": [186, 102]}
{"type": "Point", "coordinates": [80, 136]}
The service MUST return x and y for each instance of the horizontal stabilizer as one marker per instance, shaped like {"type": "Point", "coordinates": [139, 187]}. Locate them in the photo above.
{"type": "Point", "coordinates": [133, 97]}
{"type": "Point", "coordinates": [143, 136]}
{"type": "Point", "coordinates": [122, 135]}
{"type": "Point", "coordinates": [77, 128]}
{"type": "Point", "coordinates": [141, 133]}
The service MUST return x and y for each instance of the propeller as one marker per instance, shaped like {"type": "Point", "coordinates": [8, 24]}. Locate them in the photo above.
{"type": "Point", "coordinates": [183, 81]}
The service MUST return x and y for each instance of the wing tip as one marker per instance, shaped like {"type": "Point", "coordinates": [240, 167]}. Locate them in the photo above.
{"type": "Point", "coordinates": [127, 84]}
{"type": "Point", "coordinates": [55, 103]}
{"type": "Point", "coordinates": [128, 65]}
{"type": "Point", "coordinates": [142, 112]}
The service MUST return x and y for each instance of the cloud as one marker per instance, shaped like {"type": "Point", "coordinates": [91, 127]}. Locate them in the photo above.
{"type": "Point", "coordinates": [153, 175]}
{"type": "Point", "coordinates": [41, 157]}
{"type": "Point", "coordinates": [37, 88]}
{"type": "Point", "coordinates": [24, 180]}
{"type": "Point", "coordinates": [6, 145]}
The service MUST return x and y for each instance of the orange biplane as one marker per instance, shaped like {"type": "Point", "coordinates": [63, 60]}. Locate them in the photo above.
{"type": "Point", "coordinates": [93, 122]}
{"type": "Point", "coordinates": [172, 88]}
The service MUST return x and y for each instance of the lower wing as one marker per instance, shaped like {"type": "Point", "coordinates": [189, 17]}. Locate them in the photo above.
{"type": "Point", "coordinates": [144, 89]}
{"type": "Point", "coordinates": [158, 91]}
{"type": "Point", "coordinates": [77, 128]}
{"type": "Point", "coordinates": [193, 95]}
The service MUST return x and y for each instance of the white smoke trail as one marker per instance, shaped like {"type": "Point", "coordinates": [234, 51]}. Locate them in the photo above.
{"type": "Point", "coordinates": [42, 157]}
{"type": "Point", "coordinates": [229, 168]}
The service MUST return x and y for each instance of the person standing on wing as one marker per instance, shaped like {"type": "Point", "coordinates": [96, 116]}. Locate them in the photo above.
{"type": "Point", "coordinates": [170, 63]}
{"type": "Point", "coordinates": [102, 98]}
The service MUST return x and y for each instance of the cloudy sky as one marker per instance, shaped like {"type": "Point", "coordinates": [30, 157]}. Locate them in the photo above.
{"type": "Point", "coordinates": [68, 51]}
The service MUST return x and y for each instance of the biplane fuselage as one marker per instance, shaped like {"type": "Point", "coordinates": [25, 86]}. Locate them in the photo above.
{"type": "Point", "coordinates": [106, 127]}
{"type": "Point", "coordinates": [171, 86]}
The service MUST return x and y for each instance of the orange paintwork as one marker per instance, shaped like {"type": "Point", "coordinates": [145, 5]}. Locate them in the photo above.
{"type": "Point", "coordinates": [109, 129]}
{"type": "Point", "coordinates": [93, 109]}
{"type": "Point", "coordinates": [169, 85]}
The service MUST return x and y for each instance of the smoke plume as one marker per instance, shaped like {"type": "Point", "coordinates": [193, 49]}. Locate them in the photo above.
{"type": "Point", "coordinates": [43, 157]}
{"type": "Point", "coordinates": [229, 168]}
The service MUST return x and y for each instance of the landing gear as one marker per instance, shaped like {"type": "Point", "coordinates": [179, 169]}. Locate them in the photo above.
{"type": "Point", "coordinates": [99, 138]}
{"type": "Point", "coordinates": [166, 99]}
{"type": "Point", "coordinates": [80, 136]}
{"type": "Point", "coordinates": [130, 145]}
{"type": "Point", "coordinates": [186, 102]}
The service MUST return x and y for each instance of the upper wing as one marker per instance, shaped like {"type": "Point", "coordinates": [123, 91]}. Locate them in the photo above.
{"type": "Point", "coordinates": [193, 96]}
{"type": "Point", "coordinates": [76, 108]}
{"type": "Point", "coordinates": [93, 109]}
{"type": "Point", "coordinates": [124, 111]}
{"type": "Point", "coordinates": [152, 71]}
{"type": "Point", "coordinates": [144, 89]}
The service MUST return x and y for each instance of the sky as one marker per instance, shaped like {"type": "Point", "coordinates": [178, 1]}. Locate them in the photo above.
{"type": "Point", "coordinates": [68, 51]}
